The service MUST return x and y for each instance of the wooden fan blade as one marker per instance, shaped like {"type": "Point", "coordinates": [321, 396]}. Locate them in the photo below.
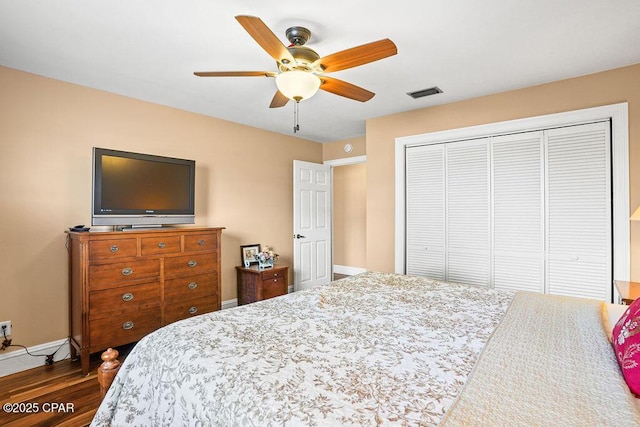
{"type": "Point", "coordinates": [358, 55]}
{"type": "Point", "coordinates": [279, 100]}
{"type": "Point", "coordinates": [235, 73]}
{"type": "Point", "coordinates": [342, 88]}
{"type": "Point", "coordinates": [265, 38]}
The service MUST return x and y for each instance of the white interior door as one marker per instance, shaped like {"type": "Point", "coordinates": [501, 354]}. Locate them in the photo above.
{"type": "Point", "coordinates": [468, 215]}
{"type": "Point", "coordinates": [311, 224]}
{"type": "Point", "coordinates": [426, 211]}
{"type": "Point", "coordinates": [578, 192]}
{"type": "Point", "coordinates": [518, 212]}
{"type": "Point", "coordinates": [524, 211]}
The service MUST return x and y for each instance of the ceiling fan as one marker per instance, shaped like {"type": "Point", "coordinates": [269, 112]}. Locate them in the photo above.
{"type": "Point", "coordinates": [301, 71]}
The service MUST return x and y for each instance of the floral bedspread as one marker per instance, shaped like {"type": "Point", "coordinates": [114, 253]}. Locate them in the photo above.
{"type": "Point", "coordinates": [371, 349]}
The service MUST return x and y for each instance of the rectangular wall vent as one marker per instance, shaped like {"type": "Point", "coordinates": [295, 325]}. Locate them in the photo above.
{"type": "Point", "coordinates": [425, 92]}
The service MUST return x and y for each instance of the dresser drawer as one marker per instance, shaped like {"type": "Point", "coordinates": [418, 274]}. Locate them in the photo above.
{"type": "Point", "coordinates": [112, 248]}
{"type": "Point", "coordinates": [189, 265]}
{"type": "Point", "coordinates": [200, 242]}
{"type": "Point", "coordinates": [188, 288]}
{"type": "Point", "coordinates": [123, 328]}
{"type": "Point", "coordinates": [274, 287]}
{"type": "Point", "coordinates": [126, 298]}
{"type": "Point", "coordinates": [273, 273]}
{"type": "Point", "coordinates": [183, 310]}
{"type": "Point", "coordinates": [160, 245]}
{"type": "Point", "coordinates": [122, 272]}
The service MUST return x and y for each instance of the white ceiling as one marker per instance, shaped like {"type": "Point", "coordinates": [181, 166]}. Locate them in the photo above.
{"type": "Point", "coordinates": [149, 49]}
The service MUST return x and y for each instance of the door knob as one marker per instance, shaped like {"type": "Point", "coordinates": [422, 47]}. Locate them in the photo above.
{"type": "Point", "coordinates": [298, 236]}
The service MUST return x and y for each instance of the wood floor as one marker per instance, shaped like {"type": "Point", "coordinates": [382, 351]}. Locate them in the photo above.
{"type": "Point", "coordinates": [56, 395]}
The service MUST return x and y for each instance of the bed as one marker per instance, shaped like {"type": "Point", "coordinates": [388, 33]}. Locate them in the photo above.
{"type": "Point", "coordinates": [378, 349]}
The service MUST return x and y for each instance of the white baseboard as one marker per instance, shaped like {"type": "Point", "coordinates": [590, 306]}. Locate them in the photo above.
{"type": "Point", "coordinates": [230, 303]}
{"type": "Point", "coordinates": [351, 271]}
{"type": "Point", "coordinates": [18, 361]}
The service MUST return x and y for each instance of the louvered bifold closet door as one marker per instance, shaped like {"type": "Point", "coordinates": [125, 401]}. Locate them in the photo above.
{"type": "Point", "coordinates": [579, 211]}
{"type": "Point", "coordinates": [467, 201]}
{"type": "Point", "coordinates": [518, 212]}
{"type": "Point", "coordinates": [425, 210]}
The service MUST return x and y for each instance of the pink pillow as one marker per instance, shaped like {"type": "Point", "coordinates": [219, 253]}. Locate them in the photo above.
{"type": "Point", "coordinates": [626, 342]}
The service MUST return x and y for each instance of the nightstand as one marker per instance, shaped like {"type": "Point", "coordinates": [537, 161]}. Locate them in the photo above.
{"type": "Point", "coordinates": [629, 291]}
{"type": "Point", "coordinates": [256, 284]}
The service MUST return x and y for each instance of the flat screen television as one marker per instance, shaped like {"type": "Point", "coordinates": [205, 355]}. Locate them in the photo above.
{"type": "Point", "coordinates": [142, 190]}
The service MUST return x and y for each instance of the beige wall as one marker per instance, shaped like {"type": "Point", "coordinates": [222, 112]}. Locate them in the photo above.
{"type": "Point", "coordinates": [335, 150]}
{"type": "Point", "coordinates": [350, 215]}
{"type": "Point", "coordinates": [610, 87]}
{"type": "Point", "coordinates": [47, 130]}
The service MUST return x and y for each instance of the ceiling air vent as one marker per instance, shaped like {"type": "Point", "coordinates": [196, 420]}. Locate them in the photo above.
{"type": "Point", "coordinates": [425, 92]}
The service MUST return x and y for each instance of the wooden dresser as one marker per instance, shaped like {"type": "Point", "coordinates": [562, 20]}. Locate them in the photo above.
{"type": "Point", "coordinates": [255, 284]}
{"type": "Point", "coordinates": [125, 284]}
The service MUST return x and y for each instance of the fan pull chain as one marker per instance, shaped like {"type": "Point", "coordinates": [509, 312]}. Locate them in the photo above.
{"type": "Point", "coordinates": [296, 125]}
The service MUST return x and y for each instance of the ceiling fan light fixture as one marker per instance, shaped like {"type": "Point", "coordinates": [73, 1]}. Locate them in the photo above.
{"type": "Point", "coordinates": [297, 85]}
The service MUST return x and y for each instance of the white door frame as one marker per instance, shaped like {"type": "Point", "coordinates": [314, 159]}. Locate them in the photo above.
{"type": "Point", "coordinates": [618, 113]}
{"type": "Point", "coordinates": [345, 161]}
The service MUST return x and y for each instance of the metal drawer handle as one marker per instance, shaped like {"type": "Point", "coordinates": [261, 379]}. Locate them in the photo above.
{"type": "Point", "coordinates": [127, 325]}
{"type": "Point", "coordinates": [192, 263]}
{"type": "Point", "coordinates": [114, 248]}
{"type": "Point", "coordinates": [200, 242]}
{"type": "Point", "coordinates": [161, 245]}
{"type": "Point", "coordinates": [193, 310]}
{"type": "Point", "coordinates": [127, 271]}
{"type": "Point", "coordinates": [127, 297]}
{"type": "Point", "coordinates": [192, 285]}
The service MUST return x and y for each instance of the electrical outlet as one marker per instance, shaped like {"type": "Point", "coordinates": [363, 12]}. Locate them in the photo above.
{"type": "Point", "coordinates": [5, 328]}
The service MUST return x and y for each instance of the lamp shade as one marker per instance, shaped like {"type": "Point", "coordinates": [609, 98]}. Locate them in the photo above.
{"type": "Point", "coordinates": [636, 215]}
{"type": "Point", "coordinates": [297, 85]}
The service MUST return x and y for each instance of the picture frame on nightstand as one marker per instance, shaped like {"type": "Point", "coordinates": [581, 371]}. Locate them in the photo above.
{"type": "Point", "coordinates": [249, 253]}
